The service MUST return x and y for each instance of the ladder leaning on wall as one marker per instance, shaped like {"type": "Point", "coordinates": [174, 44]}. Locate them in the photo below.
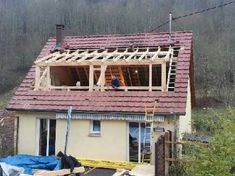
{"type": "Point", "coordinates": [148, 131]}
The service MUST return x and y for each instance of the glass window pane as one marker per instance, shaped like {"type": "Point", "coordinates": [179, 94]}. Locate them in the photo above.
{"type": "Point", "coordinates": [96, 126]}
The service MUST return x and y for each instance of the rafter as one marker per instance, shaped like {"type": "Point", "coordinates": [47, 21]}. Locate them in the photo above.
{"type": "Point", "coordinates": [107, 56]}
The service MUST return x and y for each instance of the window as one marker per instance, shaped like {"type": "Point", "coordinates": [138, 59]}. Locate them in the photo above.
{"type": "Point", "coordinates": [95, 127]}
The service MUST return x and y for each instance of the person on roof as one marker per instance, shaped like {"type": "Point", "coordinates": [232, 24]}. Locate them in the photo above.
{"type": "Point", "coordinates": [115, 82]}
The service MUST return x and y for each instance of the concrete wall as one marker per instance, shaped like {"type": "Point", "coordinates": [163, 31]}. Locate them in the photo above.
{"type": "Point", "coordinates": [185, 121]}
{"type": "Point", "coordinates": [27, 132]}
{"type": "Point", "coordinates": [169, 124]}
{"type": "Point", "coordinates": [110, 145]}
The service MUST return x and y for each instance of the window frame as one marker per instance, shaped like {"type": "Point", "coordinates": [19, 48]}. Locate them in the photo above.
{"type": "Point", "coordinates": [92, 131]}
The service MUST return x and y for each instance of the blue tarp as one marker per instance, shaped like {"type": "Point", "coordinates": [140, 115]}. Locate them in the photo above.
{"type": "Point", "coordinates": [30, 162]}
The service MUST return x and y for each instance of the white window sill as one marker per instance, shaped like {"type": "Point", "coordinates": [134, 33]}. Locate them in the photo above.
{"type": "Point", "coordinates": [94, 134]}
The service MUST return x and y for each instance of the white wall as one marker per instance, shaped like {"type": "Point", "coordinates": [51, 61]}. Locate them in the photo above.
{"type": "Point", "coordinates": [185, 121]}
{"type": "Point", "coordinates": [110, 145]}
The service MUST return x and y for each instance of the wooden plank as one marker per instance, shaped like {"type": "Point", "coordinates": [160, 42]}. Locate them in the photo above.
{"type": "Point", "coordinates": [109, 55]}
{"type": "Point", "coordinates": [132, 55]}
{"type": "Point", "coordinates": [37, 77]}
{"type": "Point", "coordinates": [143, 55]}
{"type": "Point", "coordinates": [173, 142]}
{"type": "Point", "coordinates": [87, 56]}
{"type": "Point", "coordinates": [99, 55]}
{"type": "Point", "coordinates": [58, 172]}
{"type": "Point", "coordinates": [54, 58]}
{"type": "Point", "coordinates": [120, 55]}
{"type": "Point", "coordinates": [76, 55]}
{"type": "Point", "coordinates": [91, 78]}
{"type": "Point", "coordinates": [48, 77]}
{"type": "Point", "coordinates": [108, 62]}
{"type": "Point", "coordinates": [121, 172]}
{"type": "Point", "coordinates": [94, 53]}
{"type": "Point", "coordinates": [150, 77]}
{"type": "Point", "coordinates": [69, 87]}
{"type": "Point", "coordinates": [121, 76]}
{"type": "Point", "coordinates": [135, 87]}
{"type": "Point", "coordinates": [143, 170]}
{"type": "Point", "coordinates": [156, 54]}
{"type": "Point", "coordinates": [108, 164]}
{"type": "Point", "coordinates": [102, 76]}
{"type": "Point", "coordinates": [163, 84]}
{"type": "Point", "coordinates": [43, 76]}
{"type": "Point", "coordinates": [181, 160]}
{"type": "Point", "coordinates": [46, 57]}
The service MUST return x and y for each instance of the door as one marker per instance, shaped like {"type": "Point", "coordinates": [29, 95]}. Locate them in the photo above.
{"type": "Point", "coordinates": [136, 141]}
{"type": "Point", "coordinates": [47, 137]}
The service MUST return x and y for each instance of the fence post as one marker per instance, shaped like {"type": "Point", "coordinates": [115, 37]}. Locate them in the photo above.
{"type": "Point", "coordinates": [160, 157]}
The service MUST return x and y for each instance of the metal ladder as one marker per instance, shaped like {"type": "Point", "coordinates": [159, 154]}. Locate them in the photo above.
{"type": "Point", "coordinates": [148, 131]}
{"type": "Point", "coordinates": [171, 75]}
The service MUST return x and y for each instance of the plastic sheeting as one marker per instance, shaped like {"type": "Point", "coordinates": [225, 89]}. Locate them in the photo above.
{"type": "Point", "coordinates": [30, 162]}
{"type": "Point", "coordinates": [9, 170]}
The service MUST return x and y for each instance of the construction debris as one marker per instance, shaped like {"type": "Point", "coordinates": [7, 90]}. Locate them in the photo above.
{"type": "Point", "coordinates": [107, 164]}
{"type": "Point", "coordinates": [58, 172]}
{"type": "Point", "coordinates": [143, 170]}
{"type": "Point", "coordinates": [121, 172]}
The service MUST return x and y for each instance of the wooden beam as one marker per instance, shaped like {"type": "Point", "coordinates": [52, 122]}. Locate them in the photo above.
{"type": "Point", "coordinates": [54, 58]}
{"type": "Point", "coordinates": [50, 55]}
{"type": "Point", "coordinates": [120, 55]}
{"type": "Point", "coordinates": [121, 76]}
{"type": "Point", "coordinates": [150, 77]}
{"type": "Point", "coordinates": [163, 84]}
{"type": "Point", "coordinates": [87, 56]}
{"type": "Point", "coordinates": [143, 55]}
{"type": "Point", "coordinates": [70, 56]}
{"type": "Point", "coordinates": [109, 55]}
{"type": "Point", "coordinates": [156, 54]}
{"type": "Point", "coordinates": [58, 172]}
{"type": "Point", "coordinates": [102, 76]}
{"type": "Point", "coordinates": [129, 76]}
{"type": "Point", "coordinates": [99, 55]}
{"type": "Point", "coordinates": [91, 77]}
{"type": "Point", "coordinates": [48, 77]}
{"type": "Point", "coordinates": [42, 76]}
{"type": "Point", "coordinates": [37, 77]}
{"type": "Point", "coordinates": [76, 55]}
{"type": "Point", "coordinates": [132, 55]}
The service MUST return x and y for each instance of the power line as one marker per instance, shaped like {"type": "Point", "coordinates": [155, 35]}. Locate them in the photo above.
{"type": "Point", "coordinates": [193, 13]}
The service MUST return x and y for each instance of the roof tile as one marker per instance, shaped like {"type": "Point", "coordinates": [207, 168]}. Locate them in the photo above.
{"type": "Point", "coordinates": [114, 101]}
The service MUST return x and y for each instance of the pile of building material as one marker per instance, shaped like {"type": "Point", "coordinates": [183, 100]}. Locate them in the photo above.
{"type": "Point", "coordinates": [37, 165]}
{"type": "Point", "coordinates": [138, 170]}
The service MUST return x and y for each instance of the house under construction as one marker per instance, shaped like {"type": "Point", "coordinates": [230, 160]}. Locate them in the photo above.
{"type": "Point", "coordinates": [154, 94]}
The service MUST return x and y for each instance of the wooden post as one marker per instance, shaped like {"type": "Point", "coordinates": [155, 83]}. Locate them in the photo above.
{"type": "Point", "coordinates": [150, 76]}
{"type": "Point", "coordinates": [163, 65]}
{"type": "Point", "coordinates": [48, 77]}
{"type": "Point", "coordinates": [37, 77]}
{"type": "Point", "coordinates": [91, 77]}
{"type": "Point", "coordinates": [102, 74]}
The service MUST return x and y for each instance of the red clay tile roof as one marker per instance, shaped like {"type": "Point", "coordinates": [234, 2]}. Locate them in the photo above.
{"type": "Point", "coordinates": [26, 99]}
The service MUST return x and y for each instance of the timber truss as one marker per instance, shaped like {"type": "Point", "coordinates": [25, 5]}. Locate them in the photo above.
{"type": "Point", "coordinates": [101, 58]}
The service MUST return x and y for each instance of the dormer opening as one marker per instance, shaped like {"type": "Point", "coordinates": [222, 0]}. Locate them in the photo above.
{"type": "Point", "coordinates": [136, 69]}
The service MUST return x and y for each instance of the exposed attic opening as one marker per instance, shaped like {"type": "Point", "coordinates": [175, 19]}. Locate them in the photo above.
{"type": "Point", "coordinates": [130, 76]}
{"type": "Point", "coordinates": [146, 68]}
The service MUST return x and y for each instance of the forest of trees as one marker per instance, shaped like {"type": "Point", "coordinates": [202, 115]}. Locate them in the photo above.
{"type": "Point", "coordinates": [25, 26]}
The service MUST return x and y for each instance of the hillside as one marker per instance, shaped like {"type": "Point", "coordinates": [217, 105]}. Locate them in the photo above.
{"type": "Point", "coordinates": [26, 25]}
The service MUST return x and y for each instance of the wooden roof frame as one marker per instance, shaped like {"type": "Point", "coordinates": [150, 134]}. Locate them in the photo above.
{"type": "Point", "coordinates": [116, 56]}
